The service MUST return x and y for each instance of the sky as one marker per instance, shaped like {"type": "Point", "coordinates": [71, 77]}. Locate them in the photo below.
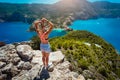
{"type": "Point", "coordinates": [48, 1]}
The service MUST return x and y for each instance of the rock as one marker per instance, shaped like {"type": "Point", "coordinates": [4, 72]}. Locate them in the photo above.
{"type": "Point", "coordinates": [28, 75]}
{"type": "Point", "coordinates": [2, 64]}
{"type": "Point", "coordinates": [37, 58]}
{"type": "Point", "coordinates": [20, 65]}
{"type": "Point", "coordinates": [25, 52]}
{"type": "Point", "coordinates": [13, 58]}
{"type": "Point", "coordinates": [88, 44]}
{"type": "Point", "coordinates": [74, 75]}
{"type": "Point", "coordinates": [56, 57]}
{"type": "Point", "coordinates": [7, 47]}
{"type": "Point", "coordinates": [24, 65]}
{"type": "Point", "coordinates": [3, 77]}
{"type": "Point", "coordinates": [6, 52]}
{"type": "Point", "coordinates": [92, 68]}
{"type": "Point", "coordinates": [62, 75]}
{"type": "Point", "coordinates": [16, 60]}
{"type": "Point", "coordinates": [88, 74]}
{"type": "Point", "coordinates": [7, 68]}
{"type": "Point", "coordinates": [80, 77]}
{"type": "Point", "coordinates": [23, 48]}
{"type": "Point", "coordinates": [14, 71]}
{"type": "Point", "coordinates": [99, 76]}
{"type": "Point", "coordinates": [27, 66]}
{"type": "Point", "coordinates": [62, 72]}
{"type": "Point", "coordinates": [63, 66]}
{"type": "Point", "coordinates": [3, 57]}
{"type": "Point", "coordinates": [97, 45]}
{"type": "Point", "coordinates": [22, 43]}
{"type": "Point", "coordinates": [37, 53]}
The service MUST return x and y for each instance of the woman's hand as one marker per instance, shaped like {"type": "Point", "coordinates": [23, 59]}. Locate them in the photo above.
{"type": "Point", "coordinates": [37, 22]}
{"type": "Point", "coordinates": [44, 20]}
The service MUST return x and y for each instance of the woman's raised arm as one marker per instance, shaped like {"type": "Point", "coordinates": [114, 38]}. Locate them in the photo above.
{"type": "Point", "coordinates": [36, 23]}
{"type": "Point", "coordinates": [50, 24]}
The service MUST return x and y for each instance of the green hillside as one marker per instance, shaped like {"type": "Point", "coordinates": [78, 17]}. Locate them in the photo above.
{"type": "Point", "coordinates": [84, 49]}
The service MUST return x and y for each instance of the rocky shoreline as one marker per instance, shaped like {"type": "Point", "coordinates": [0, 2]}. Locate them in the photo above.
{"type": "Point", "coordinates": [19, 61]}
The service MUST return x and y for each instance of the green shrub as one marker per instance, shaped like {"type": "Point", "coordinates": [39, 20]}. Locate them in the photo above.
{"type": "Point", "coordinates": [103, 71]}
{"type": "Point", "coordinates": [35, 42]}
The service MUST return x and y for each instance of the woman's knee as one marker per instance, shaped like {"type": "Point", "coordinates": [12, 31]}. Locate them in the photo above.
{"type": "Point", "coordinates": [46, 55]}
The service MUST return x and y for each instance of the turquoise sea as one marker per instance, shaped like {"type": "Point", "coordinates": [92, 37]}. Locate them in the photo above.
{"type": "Point", "coordinates": [107, 28]}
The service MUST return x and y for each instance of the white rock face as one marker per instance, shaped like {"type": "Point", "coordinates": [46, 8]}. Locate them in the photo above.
{"type": "Point", "coordinates": [37, 57]}
{"type": "Point", "coordinates": [23, 48]}
{"type": "Point", "coordinates": [56, 56]}
{"type": "Point", "coordinates": [88, 44]}
{"type": "Point", "coordinates": [81, 77]}
{"type": "Point", "coordinates": [97, 45]}
{"type": "Point", "coordinates": [25, 52]}
{"type": "Point", "coordinates": [28, 75]}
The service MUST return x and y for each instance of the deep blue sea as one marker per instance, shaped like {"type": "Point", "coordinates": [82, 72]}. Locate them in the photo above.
{"type": "Point", "coordinates": [107, 28]}
{"type": "Point", "coordinates": [18, 31]}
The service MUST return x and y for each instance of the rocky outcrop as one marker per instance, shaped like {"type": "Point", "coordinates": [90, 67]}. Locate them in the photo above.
{"type": "Point", "coordinates": [21, 62]}
{"type": "Point", "coordinates": [24, 51]}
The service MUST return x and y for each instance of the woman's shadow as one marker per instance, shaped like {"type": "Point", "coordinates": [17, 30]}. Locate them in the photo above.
{"type": "Point", "coordinates": [42, 75]}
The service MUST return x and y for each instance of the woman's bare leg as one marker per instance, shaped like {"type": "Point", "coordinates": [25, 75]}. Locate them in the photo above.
{"type": "Point", "coordinates": [47, 58]}
{"type": "Point", "coordinates": [43, 58]}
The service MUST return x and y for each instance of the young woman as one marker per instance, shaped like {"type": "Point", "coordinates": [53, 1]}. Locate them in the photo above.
{"type": "Point", "coordinates": [43, 35]}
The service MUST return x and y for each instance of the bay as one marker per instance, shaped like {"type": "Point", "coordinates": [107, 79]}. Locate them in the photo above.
{"type": "Point", "coordinates": [11, 32]}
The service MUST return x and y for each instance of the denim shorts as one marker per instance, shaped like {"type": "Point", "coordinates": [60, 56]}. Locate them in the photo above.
{"type": "Point", "coordinates": [45, 47]}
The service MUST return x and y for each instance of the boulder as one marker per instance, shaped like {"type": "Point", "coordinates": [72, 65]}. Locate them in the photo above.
{"type": "Point", "coordinates": [7, 47]}
{"type": "Point", "coordinates": [14, 71]}
{"type": "Point", "coordinates": [24, 65]}
{"type": "Point", "coordinates": [15, 60]}
{"type": "Point", "coordinates": [20, 65]}
{"type": "Point", "coordinates": [7, 68]}
{"type": "Point", "coordinates": [27, 66]}
{"type": "Point", "coordinates": [23, 48]}
{"type": "Point", "coordinates": [64, 65]}
{"type": "Point", "coordinates": [37, 58]}
{"type": "Point", "coordinates": [25, 52]}
{"type": "Point", "coordinates": [3, 77]}
{"type": "Point", "coordinates": [3, 56]}
{"type": "Point", "coordinates": [80, 77]}
{"type": "Point", "coordinates": [56, 57]}
{"type": "Point", "coordinates": [2, 64]}
{"type": "Point", "coordinates": [28, 75]}
{"type": "Point", "coordinates": [62, 72]}
{"type": "Point", "coordinates": [88, 74]}
{"type": "Point", "coordinates": [92, 68]}
{"type": "Point", "coordinates": [6, 52]}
